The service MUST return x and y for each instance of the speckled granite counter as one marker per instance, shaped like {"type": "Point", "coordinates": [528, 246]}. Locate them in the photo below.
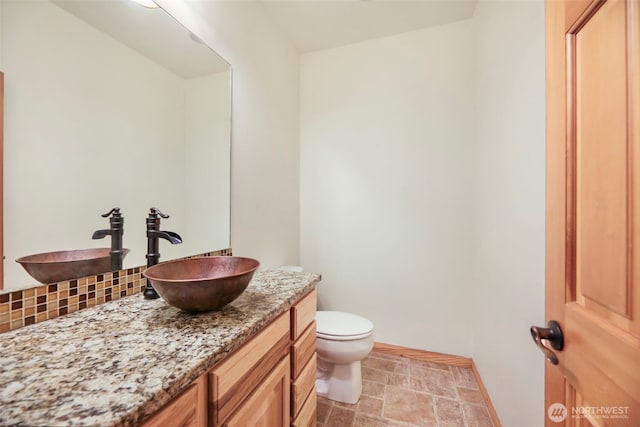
{"type": "Point", "coordinates": [119, 362]}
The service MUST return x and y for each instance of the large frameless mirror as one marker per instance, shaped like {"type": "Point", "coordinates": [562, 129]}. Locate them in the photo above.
{"type": "Point", "coordinates": [110, 104]}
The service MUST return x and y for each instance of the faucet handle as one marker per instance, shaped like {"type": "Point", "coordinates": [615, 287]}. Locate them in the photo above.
{"type": "Point", "coordinates": [155, 212]}
{"type": "Point", "coordinates": [114, 211]}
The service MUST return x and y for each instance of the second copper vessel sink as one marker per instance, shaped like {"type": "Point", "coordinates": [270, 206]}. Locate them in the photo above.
{"type": "Point", "coordinates": [51, 267]}
{"type": "Point", "coordinates": [202, 283]}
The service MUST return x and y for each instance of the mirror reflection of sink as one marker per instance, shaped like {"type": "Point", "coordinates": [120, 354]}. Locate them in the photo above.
{"type": "Point", "coordinates": [202, 283]}
{"type": "Point", "coordinates": [51, 267]}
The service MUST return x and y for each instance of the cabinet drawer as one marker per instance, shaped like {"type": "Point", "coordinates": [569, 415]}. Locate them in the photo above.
{"type": "Point", "coordinates": [307, 415]}
{"type": "Point", "coordinates": [302, 314]}
{"type": "Point", "coordinates": [303, 349]}
{"type": "Point", "coordinates": [303, 385]}
{"type": "Point", "coordinates": [237, 376]}
{"type": "Point", "coordinates": [189, 409]}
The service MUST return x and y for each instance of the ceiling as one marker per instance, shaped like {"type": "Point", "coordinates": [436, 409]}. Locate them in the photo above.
{"type": "Point", "coordinates": [308, 24]}
{"type": "Point", "coordinates": [321, 24]}
{"type": "Point", "coordinates": [151, 32]}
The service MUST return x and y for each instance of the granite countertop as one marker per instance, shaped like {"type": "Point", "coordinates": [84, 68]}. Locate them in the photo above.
{"type": "Point", "coordinates": [119, 362]}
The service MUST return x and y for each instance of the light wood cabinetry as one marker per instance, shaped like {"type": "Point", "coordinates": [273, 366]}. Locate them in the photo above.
{"type": "Point", "coordinates": [307, 415]}
{"type": "Point", "coordinates": [238, 376]}
{"type": "Point", "coordinates": [302, 386]}
{"type": "Point", "coordinates": [303, 361]}
{"type": "Point", "coordinates": [302, 350]}
{"type": "Point", "coordinates": [268, 406]}
{"type": "Point", "coordinates": [303, 313]}
{"type": "Point", "coordinates": [189, 409]}
{"type": "Point", "coordinates": [268, 382]}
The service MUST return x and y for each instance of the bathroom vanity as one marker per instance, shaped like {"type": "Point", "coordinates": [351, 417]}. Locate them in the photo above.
{"type": "Point", "coordinates": [141, 362]}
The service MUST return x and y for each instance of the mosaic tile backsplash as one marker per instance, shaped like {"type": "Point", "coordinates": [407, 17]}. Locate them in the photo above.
{"type": "Point", "coordinates": [27, 306]}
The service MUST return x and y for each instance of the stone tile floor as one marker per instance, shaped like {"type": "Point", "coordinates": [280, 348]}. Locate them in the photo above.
{"type": "Point", "coordinates": [402, 392]}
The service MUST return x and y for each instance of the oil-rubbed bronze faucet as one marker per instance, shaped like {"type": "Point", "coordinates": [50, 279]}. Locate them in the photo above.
{"type": "Point", "coordinates": [115, 231]}
{"type": "Point", "coordinates": [153, 254]}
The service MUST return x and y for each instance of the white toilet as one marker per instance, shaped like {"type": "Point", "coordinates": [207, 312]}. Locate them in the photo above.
{"type": "Point", "coordinates": [343, 340]}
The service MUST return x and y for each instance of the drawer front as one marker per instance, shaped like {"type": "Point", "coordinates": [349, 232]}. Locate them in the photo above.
{"type": "Point", "coordinates": [307, 415]}
{"type": "Point", "coordinates": [303, 385]}
{"type": "Point", "coordinates": [303, 349]}
{"type": "Point", "coordinates": [189, 409]}
{"type": "Point", "coordinates": [240, 373]}
{"type": "Point", "coordinates": [302, 314]}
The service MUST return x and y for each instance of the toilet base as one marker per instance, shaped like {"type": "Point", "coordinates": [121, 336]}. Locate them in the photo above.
{"type": "Point", "coordinates": [341, 383]}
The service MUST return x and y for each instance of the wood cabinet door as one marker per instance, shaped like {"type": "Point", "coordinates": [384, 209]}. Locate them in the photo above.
{"type": "Point", "coordinates": [593, 211]}
{"type": "Point", "coordinates": [189, 409]}
{"type": "Point", "coordinates": [268, 406]}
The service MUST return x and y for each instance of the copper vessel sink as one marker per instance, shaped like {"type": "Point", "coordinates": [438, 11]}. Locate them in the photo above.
{"type": "Point", "coordinates": [51, 267]}
{"type": "Point", "coordinates": [201, 283]}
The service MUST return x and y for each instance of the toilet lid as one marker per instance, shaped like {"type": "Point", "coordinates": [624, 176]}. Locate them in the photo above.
{"type": "Point", "coordinates": [338, 325]}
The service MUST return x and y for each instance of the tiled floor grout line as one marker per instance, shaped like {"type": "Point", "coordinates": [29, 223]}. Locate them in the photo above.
{"type": "Point", "coordinates": [433, 382]}
{"type": "Point", "coordinates": [464, 416]}
{"type": "Point", "coordinates": [435, 411]}
{"type": "Point", "coordinates": [384, 399]}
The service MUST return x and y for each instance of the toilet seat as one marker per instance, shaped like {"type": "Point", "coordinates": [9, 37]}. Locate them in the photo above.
{"type": "Point", "coordinates": [340, 326]}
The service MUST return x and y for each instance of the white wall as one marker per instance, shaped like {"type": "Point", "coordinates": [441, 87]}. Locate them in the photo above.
{"type": "Point", "coordinates": [507, 285]}
{"type": "Point", "coordinates": [386, 143]}
{"type": "Point", "coordinates": [264, 152]}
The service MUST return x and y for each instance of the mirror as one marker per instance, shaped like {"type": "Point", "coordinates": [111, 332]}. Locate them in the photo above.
{"type": "Point", "coordinates": [108, 103]}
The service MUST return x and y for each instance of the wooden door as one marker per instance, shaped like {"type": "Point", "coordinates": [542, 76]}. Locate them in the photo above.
{"type": "Point", "coordinates": [593, 211]}
{"type": "Point", "coordinates": [268, 406]}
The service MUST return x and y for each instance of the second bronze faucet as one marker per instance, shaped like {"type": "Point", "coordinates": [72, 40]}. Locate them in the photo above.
{"type": "Point", "coordinates": [116, 231]}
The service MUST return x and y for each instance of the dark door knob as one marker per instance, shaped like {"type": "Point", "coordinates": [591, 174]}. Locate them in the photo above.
{"type": "Point", "coordinates": [553, 334]}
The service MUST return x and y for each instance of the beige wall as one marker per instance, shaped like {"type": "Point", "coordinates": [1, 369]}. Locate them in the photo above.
{"type": "Point", "coordinates": [507, 284]}
{"type": "Point", "coordinates": [264, 151]}
{"type": "Point", "coordinates": [386, 143]}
